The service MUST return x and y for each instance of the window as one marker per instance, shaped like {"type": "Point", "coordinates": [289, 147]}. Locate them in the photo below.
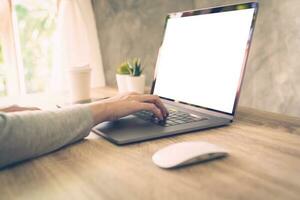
{"type": "Point", "coordinates": [27, 46]}
{"type": "Point", "coordinates": [35, 24]}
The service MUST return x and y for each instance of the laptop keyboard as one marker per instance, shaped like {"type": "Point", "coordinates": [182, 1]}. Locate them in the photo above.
{"type": "Point", "coordinates": [175, 118]}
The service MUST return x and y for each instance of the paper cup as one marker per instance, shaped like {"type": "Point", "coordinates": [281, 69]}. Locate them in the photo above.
{"type": "Point", "coordinates": [79, 83]}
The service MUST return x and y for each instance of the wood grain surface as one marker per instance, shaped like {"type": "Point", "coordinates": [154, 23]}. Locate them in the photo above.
{"type": "Point", "coordinates": [264, 163]}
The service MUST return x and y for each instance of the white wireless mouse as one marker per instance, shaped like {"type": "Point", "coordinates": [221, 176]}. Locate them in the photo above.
{"type": "Point", "coordinates": [184, 153]}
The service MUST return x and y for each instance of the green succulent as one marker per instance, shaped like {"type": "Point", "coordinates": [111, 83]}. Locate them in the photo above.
{"type": "Point", "coordinates": [131, 67]}
{"type": "Point", "coordinates": [123, 69]}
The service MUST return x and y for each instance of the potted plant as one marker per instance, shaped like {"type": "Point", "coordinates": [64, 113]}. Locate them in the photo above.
{"type": "Point", "coordinates": [129, 76]}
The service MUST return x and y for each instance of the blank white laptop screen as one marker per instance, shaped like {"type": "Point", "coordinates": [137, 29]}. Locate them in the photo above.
{"type": "Point", "coordinates": [201, 58]}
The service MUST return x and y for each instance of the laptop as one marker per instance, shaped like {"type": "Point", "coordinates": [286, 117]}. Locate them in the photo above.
{"type": "Point", "coordinates": [198, 74]}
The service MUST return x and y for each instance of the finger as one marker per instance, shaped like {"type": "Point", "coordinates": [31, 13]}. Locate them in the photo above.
{"type": "Point", "coordinates": [153, 99]}
{"type": "Point", "coordinates": [23, 108]}
{"type": "Point", "coordinates": [32, 108]}
{"type": "Point", "coordinates": [16, 108]}
{"type": "Point", "coordinates": [160, 105]}
{"type": "Point", "coordinates": [152, 108]}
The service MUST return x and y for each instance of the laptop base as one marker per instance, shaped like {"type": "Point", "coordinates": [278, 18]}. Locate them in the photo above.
{"type": "Point", "coordinates": [132, 129]}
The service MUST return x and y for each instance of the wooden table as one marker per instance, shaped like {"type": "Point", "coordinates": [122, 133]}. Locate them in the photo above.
{"type": "Point", "coordinates": [264, 163]}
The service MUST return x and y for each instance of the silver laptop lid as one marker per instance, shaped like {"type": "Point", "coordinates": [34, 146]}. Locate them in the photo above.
{"type": "Point", "coordinates": [202, 59]}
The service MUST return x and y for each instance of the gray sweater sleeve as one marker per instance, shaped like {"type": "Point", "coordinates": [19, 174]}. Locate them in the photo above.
{"type": "Point", "coordinates": [25, 135]}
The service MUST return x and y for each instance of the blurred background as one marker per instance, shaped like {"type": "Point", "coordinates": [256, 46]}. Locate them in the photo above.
{"type": "Point", "coordinates": [134, 28]}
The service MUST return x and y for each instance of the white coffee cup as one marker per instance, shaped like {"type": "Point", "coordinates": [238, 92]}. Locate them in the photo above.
{"type": "Point", "coordinates": [79, 83]}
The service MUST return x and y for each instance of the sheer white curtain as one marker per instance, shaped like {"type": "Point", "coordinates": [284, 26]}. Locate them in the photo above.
{"type": "Point", "coordinates": [76, 42]}
{"type": "Point", "coordinates": [11, 52]}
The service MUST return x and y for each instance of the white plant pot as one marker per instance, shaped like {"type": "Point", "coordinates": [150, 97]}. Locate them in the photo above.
{"type": "Point", "coordinates": [136, 83]}
{"type": "Point", "coordinates": [122, 83]}
{"type": "Point", "coordinates": [127, 83]}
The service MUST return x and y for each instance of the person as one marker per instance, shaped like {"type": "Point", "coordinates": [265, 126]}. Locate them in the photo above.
{"type": "Point", "coordinates": [29, 132]}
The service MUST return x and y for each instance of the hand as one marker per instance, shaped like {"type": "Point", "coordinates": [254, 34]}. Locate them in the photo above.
{"type": "Point", "coordinates": [16, 108]}
{"type": "Point", "coordinates": [126, 104]}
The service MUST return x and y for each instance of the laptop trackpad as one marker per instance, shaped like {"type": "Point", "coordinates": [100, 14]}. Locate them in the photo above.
{"type": "Point", "coordinates": [128, 128]}
{"type": "Point", "coordinates": [130, 121]}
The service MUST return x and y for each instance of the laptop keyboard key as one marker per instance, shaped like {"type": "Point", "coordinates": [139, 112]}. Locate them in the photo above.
{"type": "Point", "coordinates": [174, 118]}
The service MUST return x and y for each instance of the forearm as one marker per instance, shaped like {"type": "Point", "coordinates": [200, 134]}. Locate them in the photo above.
{"type": "Point", "coordinates": [25, 135]}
